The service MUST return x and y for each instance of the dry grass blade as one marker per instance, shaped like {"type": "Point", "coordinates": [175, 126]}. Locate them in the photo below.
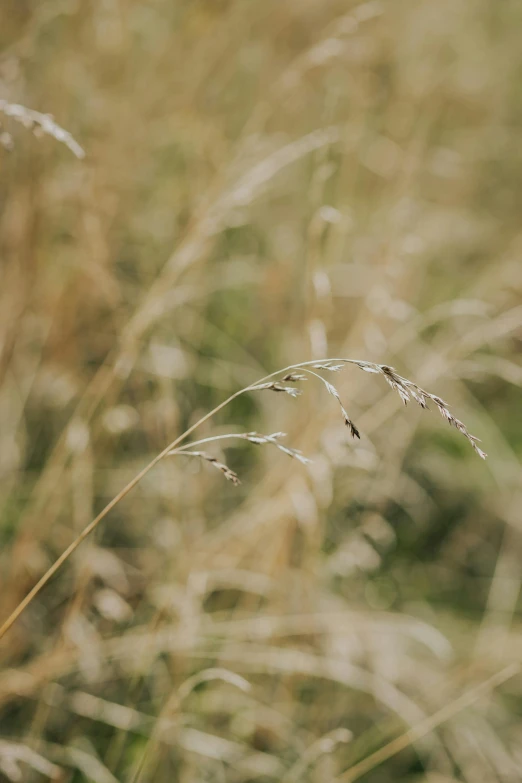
{"type": "Point", "coordinates": [86, 762]}
{"type": "Point", "coordinates": [323, 745]}
{"type": "Point", "coordinates": [263, 172]}
{"type": "Point", "coordinates": [207, 675]}
{"type": "Point", "coordinates": [44, 123]}
{"type": "Point", "coordinates": [427, 725]}
{"type": "Point", "coordinates": [14, 753]}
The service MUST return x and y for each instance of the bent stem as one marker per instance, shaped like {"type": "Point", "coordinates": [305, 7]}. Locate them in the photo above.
{"type": "Point", "coordinates": [15, 614]}
{"type": "Point", "coordinates": [406, 389]}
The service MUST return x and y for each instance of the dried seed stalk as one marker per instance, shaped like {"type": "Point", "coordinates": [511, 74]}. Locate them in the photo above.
{"type": "Point", "coordinates": [252, 437]}
{"type": "Point", "coordinates": [405, 388]}
{"type": "Point", "coordinates": [277, 387]}
{"type": "Point", "coordinates": [333, 391]}
{"type": "Point", "coordinates": [408, 390]}
{"type": "Point", "coordinates": [229, 474]}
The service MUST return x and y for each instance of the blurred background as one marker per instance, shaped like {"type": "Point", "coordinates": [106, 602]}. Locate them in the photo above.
{"type": "Point", "coordinates": [263, 183]}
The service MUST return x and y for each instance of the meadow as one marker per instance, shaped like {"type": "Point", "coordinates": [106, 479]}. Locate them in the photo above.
{"type": "Point", "coordinates": [194, 194]}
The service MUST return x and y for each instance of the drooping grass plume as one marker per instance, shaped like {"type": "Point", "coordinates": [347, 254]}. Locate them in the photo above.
{"type": "Point", "coordinates": [252, 437]}
{"type": "Point", "coordinates": [406, 389]}
{"type": "Point", "coordinates": [229, 474]}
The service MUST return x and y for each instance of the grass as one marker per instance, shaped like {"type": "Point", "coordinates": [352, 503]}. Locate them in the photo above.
{"type": "Point", "coordinates": [406, 389]}
{"type": "Point", "coordinates": [262, 182]}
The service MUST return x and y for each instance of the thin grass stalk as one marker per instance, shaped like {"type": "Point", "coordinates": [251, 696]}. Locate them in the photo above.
{"type": "Point", "coordinates": [405, 389]}
{"type": "Point", "coordinates": [15, 614]}
{"type": "Point", "coordinates": [427, 725]}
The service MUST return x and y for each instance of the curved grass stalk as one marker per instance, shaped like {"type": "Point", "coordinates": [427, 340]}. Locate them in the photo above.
{"type": "Point", "coordinates": [406, 389]}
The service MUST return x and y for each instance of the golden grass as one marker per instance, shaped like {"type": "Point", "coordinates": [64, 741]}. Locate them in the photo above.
{"type": "Point", "coordinates": [262, 183]}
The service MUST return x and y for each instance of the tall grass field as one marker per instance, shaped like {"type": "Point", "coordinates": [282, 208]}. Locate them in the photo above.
{"type": "Point", "coordinates": [260, 322]}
